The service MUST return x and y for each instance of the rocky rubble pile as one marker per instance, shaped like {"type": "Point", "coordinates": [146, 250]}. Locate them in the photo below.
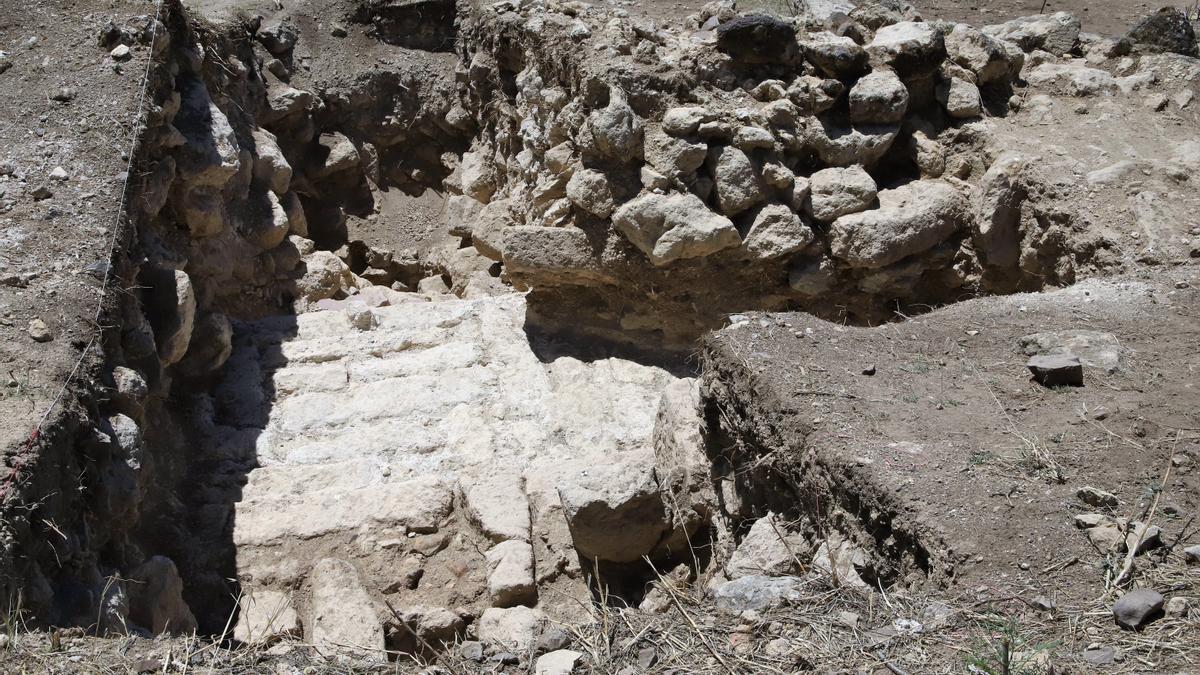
{"type": "Point", "coordinates": [810, 162]}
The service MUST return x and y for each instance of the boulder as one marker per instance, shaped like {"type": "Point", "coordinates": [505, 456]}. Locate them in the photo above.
{"type": "Point", "coordinates": [960, 98]}
{"type": "Point", "coordinates": [342, 617]}
{"type": "Point", "coordinates": [590, 191]}
{"type": "Point", "coordinates": [738, 183]}
{"type": "Point", "coordinates": [671, 227]}
{"type": "Point", "coordinates": [615, 512]}
{"type": "Point", "coordinates": [265, 616]}
{"type": "Point", "coordinates": [878, 98]}
{"type": "Point", "coordinates": [910, 219]}
{"type": "Point", "coordinates": [776, 231]}
{"type": "Point", "coordinates": [758, 39]}
{"type": "Point", "coordinates": [909, 47]}
{"type": "Point", "coordinates": [1167, 30]}
{"type": "Point", "coordinates": [835, 55]}
{"type": "Point", "coordinates": [839, 192]}
{"type": "Point", "coordinates": [1056, 33]}
{"type": "Point", "coordinates": [156, 598]}
{"type": "Point", "coordinates": [510, 574]}
{"type": "Point", "coordinates": [681, 464]}
{"type": "Point", "coordinates": [979, 53]}
{"type": "Point", "coordinates": [768, 549]}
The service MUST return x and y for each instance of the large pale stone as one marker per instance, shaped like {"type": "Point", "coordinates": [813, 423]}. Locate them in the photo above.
{"type": "Point", "coordinates": [838, 192]}
{"type": "Point", "coordinates": [342, 618]}
{"type": "Point", "coordinates": [670, 227]}
{"type": "Point", "coordinates": [615, 512]}
{"type": "Point", "coordinates": [775, 232]}
{"type": "Point", "coordinates": [768, 549]}
{"type": "Point", "coordinates": [589, 190]}
{"type": "Point", "coordinates": [910, 219]}
{"type": "Point", "coordinates": [498, 506]}
{"type": "Point", "coordinates": [513, 628]}
{"type": "Point", "coordinates": [738, 182]}
{"type": "Point", "coordinates": [1056, 33]}
{"type": "Point", "coordinates": [510, 574]}
{"type": "Point", "coordinates": [271, 168]}
{"type": "Point", "coordinates": [264, 616]}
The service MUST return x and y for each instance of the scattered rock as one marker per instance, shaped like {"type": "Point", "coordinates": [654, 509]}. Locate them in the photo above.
{"type": "Point", "coordinates": [39, 331]}
{"type": "Point", "coordinates": [1097, 497]}
{"type": "Point", "coordinates": [762, 552]}
{"type": "Point", "coordinates": [1094, 349]}
{"type": "Point", "coordinates": [1057, 370]}
{"type": "Point", "coordinates": [1137, 608]}
{"type": "Point", "coordinates": [1177, 607]}
{"type": "Point", "coordinates": [559, 662]}
{"type": "Point", "coordinates": [757, 593]}
{"type": "Point", "coordinates": [471, 650]}
{"type": "Point", "coordinates": [120, 53]}
{"type": "Point", "coordinates": [1101, 655]}
{"type": "Point", "coordinates": [1192, 554]}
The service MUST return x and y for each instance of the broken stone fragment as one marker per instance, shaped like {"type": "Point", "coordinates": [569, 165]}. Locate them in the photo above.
{"type": "Point", "coordinates": [342, 618]}
{"type": "Point", "coordinates": [425, 625]}
{"type": "Point", "coordinates": [39, 331]}
{"type": "Point", "coordinates": [271, 168]}
{"type": "Point", "coordinates": [173, 308]}
{"type": "Point", "coordinates": [265, 616]}
{"type": "Point", "coordinates": [756, 592]}
{"type": "Point", "coordinates": [511, 574]}
{"type": "Point", "coordinates": [1057, 370]}
{"type": "Point", "coordinates": [340, 155]}
{"type": "Point", "coordinates": [685, 121]}
{"type": "Point", "coordinates": [841, 561]}
{"type": "Point", "coordinates": [513, 628]}
{"type": "Point", "coordinates": [768, 549]}
{"type": "Point", "coordinates": [1095, 349]}
{"type": "Point", "coordinates": [671, 155]}
{"type": "Point", "coordinates": [1137, 608]}
{"type": "Point", "coordinates": [498, 506]}
{"type": "Point", "coordinates": [841, 146]}
{"type": "Point", "coordinates": [559, 662]}
{"type": "Point", "coordinates": [672, 227]}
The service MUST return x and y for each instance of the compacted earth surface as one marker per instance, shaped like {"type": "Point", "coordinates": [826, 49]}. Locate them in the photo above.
{"type": "Point", "coordinates": [612, 337]}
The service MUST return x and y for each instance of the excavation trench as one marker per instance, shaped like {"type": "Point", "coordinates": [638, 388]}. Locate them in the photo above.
{"type": "Point", "coordinates": [414, 338]}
